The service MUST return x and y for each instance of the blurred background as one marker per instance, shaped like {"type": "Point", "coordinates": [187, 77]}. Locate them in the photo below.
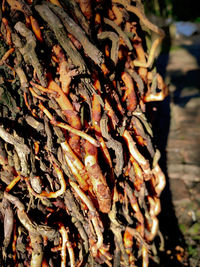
{"type": "Point", "coordinates": [176, 124]}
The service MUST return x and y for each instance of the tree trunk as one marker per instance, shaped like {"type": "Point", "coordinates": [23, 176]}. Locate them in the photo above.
{"type": "Point", "coordinates": [80, 178]}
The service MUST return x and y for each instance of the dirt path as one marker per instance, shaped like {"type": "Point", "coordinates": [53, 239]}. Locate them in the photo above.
{"type": "Point", "coordinates": [181, 115]}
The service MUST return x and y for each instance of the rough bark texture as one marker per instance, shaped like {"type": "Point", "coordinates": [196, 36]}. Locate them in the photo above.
{"type": "Point", "coordinates": [79, 170]}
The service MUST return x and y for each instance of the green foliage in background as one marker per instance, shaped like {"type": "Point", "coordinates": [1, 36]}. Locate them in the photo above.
{"type": "Point", "coordinates": [180, 10]}
{"type": "Point", "coordinates": [159, 7]}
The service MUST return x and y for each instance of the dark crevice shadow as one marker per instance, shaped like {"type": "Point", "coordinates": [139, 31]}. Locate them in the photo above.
{"type": "Point", "coordinates": [159, 115]}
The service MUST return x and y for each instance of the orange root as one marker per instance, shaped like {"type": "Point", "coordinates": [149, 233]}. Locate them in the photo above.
{"type": "Point", "coordinates": [13, 183]}
{"type": "Point", "coordinates": [129, 95]}
{"type": "Point", "coordinates": [75, 165]}
{"type": "Point", "coordinates": [36, 28]}
{"type": "Point", "coordinates": [66, 243]}
{"type": "Point", "coordinates": [56, 194]}
{"type": "Point", "coordinates": [97, 179]}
